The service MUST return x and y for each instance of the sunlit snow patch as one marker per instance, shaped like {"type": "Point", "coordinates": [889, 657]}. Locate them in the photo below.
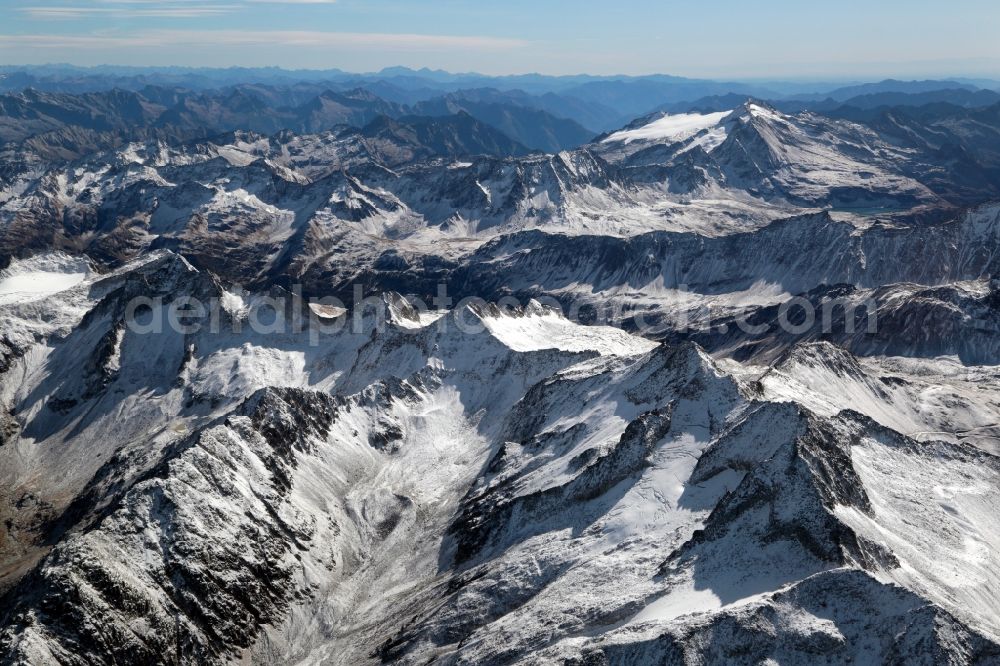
{"type": "Point", "coordinates": [934, 507]}
{"type": "Point", "coordinates": [28, 280]}
{"type": "Point", "coordinates": [327, 311]}
{"type": "Point", "coordinates": [686, 599]}
{"type": "Point", "coordinates": [763, 112]}
{"type": "Point", "coordinates": [540, 328]}
{"type": "Point", "coordinates": [676, 127]}
{"type": "Point", "coordinates": [234, 302]}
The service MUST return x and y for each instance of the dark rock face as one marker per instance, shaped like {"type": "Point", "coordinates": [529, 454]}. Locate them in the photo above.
{"type": "Point", "coordinates": [218, 558]}
{"type": "Point", "coordinates": [491, 517]}
{"type": "Point", "coordinates": [790, 496]}
{"type": "Point", "coordinates": [780, 253]}
{"type": "Point", "coordinates": [896, 320]}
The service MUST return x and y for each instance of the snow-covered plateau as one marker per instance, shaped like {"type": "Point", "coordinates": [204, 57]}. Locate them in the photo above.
{"type": "Point", "coordinates": [715, 388]}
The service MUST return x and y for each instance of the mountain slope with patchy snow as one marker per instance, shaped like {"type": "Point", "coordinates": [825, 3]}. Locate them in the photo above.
{"type": "Point", "coordinates": [716, 388]}
{"type": "Point", "coordinates": [423, 488]}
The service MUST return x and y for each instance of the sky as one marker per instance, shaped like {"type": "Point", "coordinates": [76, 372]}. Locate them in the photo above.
{"type": "Point", "coordinates": [745, 39]}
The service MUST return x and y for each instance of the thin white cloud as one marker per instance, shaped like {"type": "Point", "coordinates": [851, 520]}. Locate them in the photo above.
{"type": "Point", "coordinates": [332, 41]}
{"type": "Point", "coordinates": [160, 3]}
{"type": "Point", "coordinates": [151, 8]}
{"type": "Point", "coordinates": [166, 11]}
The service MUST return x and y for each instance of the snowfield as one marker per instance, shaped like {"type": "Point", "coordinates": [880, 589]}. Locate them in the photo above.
{"type": "Point", "coordinates": [670, 128]}
{"type": "Point", "coordinates": [40, 276]}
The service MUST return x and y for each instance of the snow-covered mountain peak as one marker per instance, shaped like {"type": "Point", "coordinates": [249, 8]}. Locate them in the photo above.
{"type": "Point", "coordinates": [820, 354]}
{"type": "Point", "coordinates": [756, 110]}
{"type": "Point", "coordinates": [668, 128]}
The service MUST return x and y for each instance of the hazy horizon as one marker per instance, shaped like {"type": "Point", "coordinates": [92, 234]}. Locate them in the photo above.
{"type": "Point", "coordinates": [731, 40]}
{"type": "Point", "coordinates": [845, 80]}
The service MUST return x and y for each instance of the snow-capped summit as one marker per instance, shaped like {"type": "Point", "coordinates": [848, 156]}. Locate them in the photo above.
{"type": "Point", "coordinates": [805, 158]}
{"type": "Point", "coordinates": [668, 128]}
